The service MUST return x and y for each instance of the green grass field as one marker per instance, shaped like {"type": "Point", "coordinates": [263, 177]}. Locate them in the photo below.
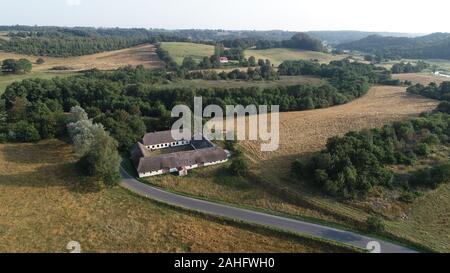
{"type": "Point", "coordinates": [179, 51]}
{"type": "Point", "coordinates": [279, 55]}
{"type": "Point", "coordinates": [6, 80]}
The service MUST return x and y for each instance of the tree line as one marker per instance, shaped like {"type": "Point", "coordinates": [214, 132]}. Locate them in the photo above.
{"type": "Point", "coordinates": [403, 67]}
{"type": "Point", "coordinates": [69, 46]}
{"type": "Point", "coordinates": [298, 41]}
{"type": "Point", "coordinates": [433, 90]}
{"type": "Point", "coordinates": [65, 41]}
{"type": "Point", "coordinates": [128, 104]}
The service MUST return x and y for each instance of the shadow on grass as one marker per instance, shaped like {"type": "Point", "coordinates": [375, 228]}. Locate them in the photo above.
{"type": "Point", "coordinates": [49, 152]}
{"type": "Point", "coordinates": [59, 175]}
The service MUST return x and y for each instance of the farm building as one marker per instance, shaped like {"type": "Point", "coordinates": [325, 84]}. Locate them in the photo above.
{"type": "Point", "coordinates": [159, 153]}
{"type": "Point", "coordinates": [223, 60]}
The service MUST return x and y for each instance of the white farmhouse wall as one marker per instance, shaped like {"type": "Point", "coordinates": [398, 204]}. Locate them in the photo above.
{"type": "Point", "coordinates": [173, 170]}
{"type": "Point", "coordinates": [167, 145]}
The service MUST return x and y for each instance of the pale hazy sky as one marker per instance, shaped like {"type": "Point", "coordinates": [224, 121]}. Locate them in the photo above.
{"type": "Point", "coordinates": [297, 15]}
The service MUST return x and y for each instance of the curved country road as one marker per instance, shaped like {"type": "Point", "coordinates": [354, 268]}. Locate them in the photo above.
{"type": "Point", "coordinates": [281, 223]}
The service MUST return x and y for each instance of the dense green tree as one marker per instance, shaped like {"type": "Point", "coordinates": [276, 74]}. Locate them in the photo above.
{"type": "Point", "coordinates": [431, 177]}
{"type": "Point", "coordinates": [83, 134]}
{"type": "Point", "coordinates": [252, 61]}
{"type": "Point", "coordinates": [127, 129]}
{"type": "Point", "coordinates": [95, 147]}
{"type": "Point", "coordinates": [21, 66]}
{"type": "Point", "coordinates": [409, 68]}
{"type": "Point", "coordinates": [375, 224]}
{"type": "Point", "coordinates": [239, 166]}
{"type": "Point", "coordinates": [304, 41]}
{"type": "Point", "coordinates": [352, 165]}
{"type": "Point", "coordinates": [205, 63]}
{"type": "Point", "coordinates": [189, 63]}
{"type": "Point", "coordinates": [102, 159]}
{"type": "Point", "coordinates": [25, 132]}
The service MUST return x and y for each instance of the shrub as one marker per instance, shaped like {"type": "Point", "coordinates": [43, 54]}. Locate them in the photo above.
{"type": "Point", "coordinates": [375, 224]}
{"type": "Point", "coordinates": [61, 68]}
{"type": "Point", "coordinates": [230, 145]}
{"type": "Point", "coordinates": [408, 197]}
{"type": "Point", "coordinates": [40, 61]}
{"type": "Point", "coordinates": [431, 177]}
{"type": "Point", "coordinates": [21, 66]}
{"type": "Point", "coordinates": [3, 138]}
{"type": "Point", "coordinates": [25, 132]}
{"type": "Point", "coordinates": [444, 107]}
{"type": "Point", "coordinates": [238, 166]}
{"type": "Point", "coordinates": [422, 149]}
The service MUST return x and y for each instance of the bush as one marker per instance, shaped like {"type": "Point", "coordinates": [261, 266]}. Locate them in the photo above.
{"type": "Point", "coordinates": [375, 224]}
{"type": "Point", "coordinates": [25, 132]}
{"type": "Point", "coordinates": [3, 138]}
{"type": "Point", "coordinates": [238, 166]}
{"type": "Point", "coordinates": [230, 145]}
{"type": "Point", "coordinates": [431, 177]}
{"type": "Point", "coordinates": [20, 66]}
{"type": "Point", "coordinates": [422, 149]}
{"type": "Point", "coordinates": [444, 107]}
{"type": "Point", "coordinates": [40, 61]}
{"type": "Point", "coordinates": [408, 197]}
{"type": "Point", "coordinates": [61, 68]}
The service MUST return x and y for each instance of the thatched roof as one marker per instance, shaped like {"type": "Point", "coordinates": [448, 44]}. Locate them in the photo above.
{"type": "Point", "coordinates": [158, 138]}
{"type": "Point", "coordinates": [180, 159]}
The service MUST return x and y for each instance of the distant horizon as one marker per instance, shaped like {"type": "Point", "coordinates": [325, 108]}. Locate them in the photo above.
{"type": "Point", "coordinates": [262, 15]}
{"type": "Point", "coordinates": [256, 30]}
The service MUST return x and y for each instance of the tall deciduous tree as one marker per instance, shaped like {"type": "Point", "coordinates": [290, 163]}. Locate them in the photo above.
{"type": "Point", "coordinates": [97, 149]}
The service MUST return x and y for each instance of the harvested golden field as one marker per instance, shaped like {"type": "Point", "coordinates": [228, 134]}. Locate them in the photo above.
{"type": "Point", "coordinates": [305, 132]}
{"type": "Point", "coordinates": [138, 55]}
{"type": "Point", "coordinates": [43, 207]}
{"type": "Point", "coordinates": [422, 78]}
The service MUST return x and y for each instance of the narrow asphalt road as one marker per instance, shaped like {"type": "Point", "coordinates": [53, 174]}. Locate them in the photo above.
{"type": "Point", "coordinates": [282, 223]}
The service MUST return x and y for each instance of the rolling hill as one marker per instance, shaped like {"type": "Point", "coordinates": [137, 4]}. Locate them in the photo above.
{"type": "Point", "coordinates": [346, 36]}
{"type": "Point", "coordinates": [433, 46]}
